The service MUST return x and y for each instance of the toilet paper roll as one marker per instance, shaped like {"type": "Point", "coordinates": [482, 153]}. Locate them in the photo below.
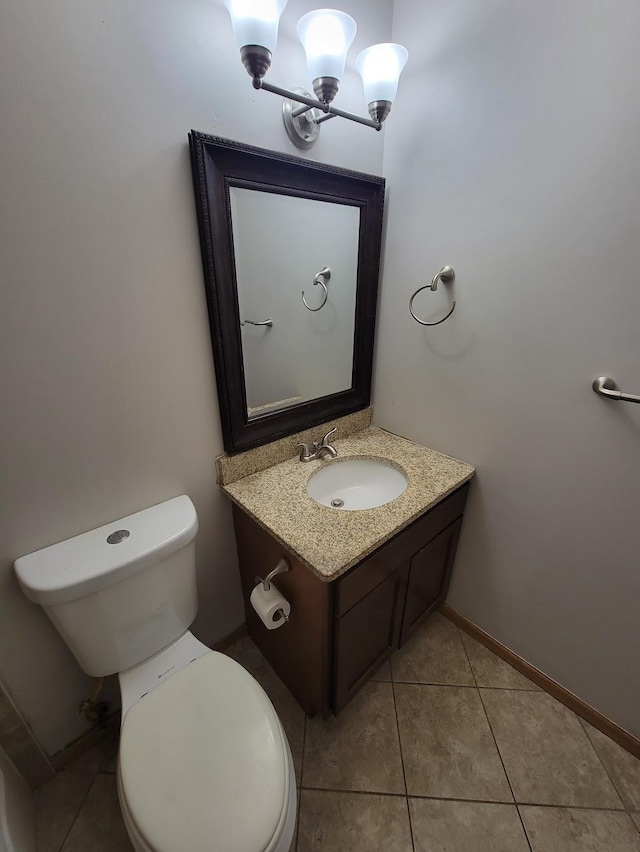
{"type": "Point", "coordinates": [268, 605]}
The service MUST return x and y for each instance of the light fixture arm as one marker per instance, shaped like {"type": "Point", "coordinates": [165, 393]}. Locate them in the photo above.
{"type": "Point", "coordinates": [313, 103]}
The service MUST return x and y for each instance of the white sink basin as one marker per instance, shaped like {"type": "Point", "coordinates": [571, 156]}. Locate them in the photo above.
{"type": "Point", "coordinates": [356, 484]}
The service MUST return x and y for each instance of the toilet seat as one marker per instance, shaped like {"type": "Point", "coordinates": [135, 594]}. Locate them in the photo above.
{"type": "Point", "coordinates": [204, 763]}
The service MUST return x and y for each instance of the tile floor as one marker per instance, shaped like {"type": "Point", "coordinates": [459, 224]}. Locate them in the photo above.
{"type": "Point", "coordinates": [448, 749]}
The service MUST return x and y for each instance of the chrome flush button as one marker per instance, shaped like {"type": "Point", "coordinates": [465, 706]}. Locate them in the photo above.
{"type": "Point", "coordinates": [118, 536]}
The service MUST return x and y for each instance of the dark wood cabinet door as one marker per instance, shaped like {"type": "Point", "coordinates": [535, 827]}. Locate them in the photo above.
{"type": "Point", "coordinates": [429, 577]}
{"type": "Point", "coordinates": [366, 635]}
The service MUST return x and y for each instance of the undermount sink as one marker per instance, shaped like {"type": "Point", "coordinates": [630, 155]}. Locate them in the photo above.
{"type": "Point", "coordinates": [356, 484]}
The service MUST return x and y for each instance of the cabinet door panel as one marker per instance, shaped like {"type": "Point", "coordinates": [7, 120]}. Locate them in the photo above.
{"type": "Point", "coordinates": [366, 635]}
{"type": "Point", "coordinates": [429, 578]}
{"type": "Point", "coordinates": [357, 582]}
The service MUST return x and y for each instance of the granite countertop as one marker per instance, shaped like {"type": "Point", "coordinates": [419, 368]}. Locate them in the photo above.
{"type": "Point", "coordinates": [330, 541]}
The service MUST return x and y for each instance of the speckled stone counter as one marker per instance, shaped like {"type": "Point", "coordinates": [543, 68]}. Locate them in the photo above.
{"type": "Point", "coordinates": [330, 541]}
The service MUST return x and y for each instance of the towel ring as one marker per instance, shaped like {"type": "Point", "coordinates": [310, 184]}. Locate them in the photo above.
{"type": "Point", "coordinates": [318, 279]}
{"type": "Point", "coordinates": [445, 275]}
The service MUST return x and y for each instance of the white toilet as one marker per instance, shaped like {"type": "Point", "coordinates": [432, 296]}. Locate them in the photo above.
{"type": "Point", "coordinates": [204, 763]}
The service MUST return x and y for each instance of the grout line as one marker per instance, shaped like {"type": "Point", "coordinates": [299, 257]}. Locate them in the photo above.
{"type": "Point", "coordinates": [299, 790]}
{"type": "Point", "coordinates": [413, 844]}
{"type": "Point", "coordinates": [606, 771]}
{"type": "Point", "coordinates": [75, 819]}
{"type": "Point", "coordinates": [473, 674]}
{"type": "Point", "coordinates": [524, 804]}
{"type": "Point", "coordinates": [506, 774]}
{"type": "Point", "coordinates": [395, 713]}
{"type": "Point", "coordinates": [404, 773]}
{"type": "Point", "coordinates": [475, 685]}
{"type": "Point", "coordinates": [524, 827]}
{"type": "Point", "coordinates": [462, 801]}
{"type": "Point", "coordinates": [357, 792]}
{"type": "Point", "coordinates": [504, 768]}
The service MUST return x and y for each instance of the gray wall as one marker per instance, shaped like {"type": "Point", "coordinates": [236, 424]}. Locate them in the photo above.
{"type": "Point", "coordinates": [106, 375]}
{"type": "Point", "coordinates": [512, 154]}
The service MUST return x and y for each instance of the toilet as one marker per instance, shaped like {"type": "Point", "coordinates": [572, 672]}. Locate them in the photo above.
{"type": "Point", "coordinates": [204, 762]}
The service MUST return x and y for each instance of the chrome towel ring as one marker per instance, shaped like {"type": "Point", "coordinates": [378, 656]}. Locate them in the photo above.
{"type": "Point", "coordinates": [446, 275]}
{"type": "Point", "coordinates": [320, 278]}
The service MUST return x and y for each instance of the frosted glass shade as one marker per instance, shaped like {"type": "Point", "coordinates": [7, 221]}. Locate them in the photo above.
{"type": "Point", "coordinates": [326, 35]}
{"type": "Point", "coordinates": [380, 67]}
{"type": "Point", "coordinates": [256, 21]}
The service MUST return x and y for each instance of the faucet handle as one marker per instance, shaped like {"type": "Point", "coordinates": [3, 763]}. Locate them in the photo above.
{"type": "Point", "coordinates": [323, 443]}
{"type": "Point", "coordinates": [305, 455]}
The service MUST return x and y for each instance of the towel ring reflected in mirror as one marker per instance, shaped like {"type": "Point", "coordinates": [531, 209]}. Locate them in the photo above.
{"type": "Point", "coordinates": [320, 278]}
{"type": "Point", "coordinates": [445, 275]}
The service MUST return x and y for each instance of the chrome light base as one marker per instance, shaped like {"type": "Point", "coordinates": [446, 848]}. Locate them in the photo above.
{"type": "Point", "coordinates": [303, 129]}
{"type": "Point", "coordinates": [326, 88]}
{"type": "Point", "coordinates": [256, 59]}
{"type": "Point", "coordinates": [379, 110]}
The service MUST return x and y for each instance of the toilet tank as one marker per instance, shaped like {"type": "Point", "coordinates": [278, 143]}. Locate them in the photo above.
{"type": "Point", "coordinates": [120, 593]}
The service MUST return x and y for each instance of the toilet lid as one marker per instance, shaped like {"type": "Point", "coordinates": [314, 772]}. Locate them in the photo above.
{"type": "Point", "coordinates": [204, 762]}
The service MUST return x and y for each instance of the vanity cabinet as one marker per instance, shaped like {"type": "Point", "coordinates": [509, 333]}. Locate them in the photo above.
{"type": "Point", "coordinates": [341, 631]}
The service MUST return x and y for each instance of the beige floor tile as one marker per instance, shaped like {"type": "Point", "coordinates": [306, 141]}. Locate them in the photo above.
{"type": "Point", "coordinates": [444, 826]}
{"type": "Point", "coordinates": [447, 745]}
{"type": "Point", "coordinates": [636, 818]}
{"type": "Point", "coordinates": [434, 655]}
{"type": "Point", "coordinates": [383, 673]}
{"type": "Point", "coordinates": [359, 749]}
{"type": "Point", "coordinates": [99, 826]}
{"type": "Point", "coordinates": [353, 822]}
{"type": "Point", "coordinates": [572, 830]}
{"type": "Point", "coordinates": [490, 670]}
{"type": "Point", "coordinates": [623, 768]}
{"type": "Point", "coordinates": [289, 711]}
{"type": "Point", "coordinates": [547, 755]}
{"type": "Point", "coordinates": [58, 802]}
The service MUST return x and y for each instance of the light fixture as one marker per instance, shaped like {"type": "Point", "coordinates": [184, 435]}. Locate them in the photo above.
{"type": "Point", "coordinates": [326, 35]}
{"type": "Point", "coordinates": [380, 67]}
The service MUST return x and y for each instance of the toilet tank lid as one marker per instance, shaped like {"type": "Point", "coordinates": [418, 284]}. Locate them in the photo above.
{"type": "Point", "coordinates": [87, 563]}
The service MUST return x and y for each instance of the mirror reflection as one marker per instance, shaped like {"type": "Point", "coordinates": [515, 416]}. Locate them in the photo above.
{"type": "Point", "coordinates": [296, 262]}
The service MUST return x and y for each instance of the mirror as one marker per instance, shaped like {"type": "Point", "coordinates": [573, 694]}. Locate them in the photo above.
{"type": "Point", "coordinates": [290, 250]}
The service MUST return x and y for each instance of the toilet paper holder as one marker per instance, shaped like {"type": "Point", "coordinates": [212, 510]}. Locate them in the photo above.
{"type": "Point", "coordinates": [281, 568]}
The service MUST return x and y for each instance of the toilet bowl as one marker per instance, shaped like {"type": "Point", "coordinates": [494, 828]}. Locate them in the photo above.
{"type": "Point", "coordinates": [202, 756]}
{"type": "Point", "coordinates": [204, 762]}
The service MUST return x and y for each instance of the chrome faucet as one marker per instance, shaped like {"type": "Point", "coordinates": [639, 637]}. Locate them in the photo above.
{"type": "Point", "coordinates": [318, 449]}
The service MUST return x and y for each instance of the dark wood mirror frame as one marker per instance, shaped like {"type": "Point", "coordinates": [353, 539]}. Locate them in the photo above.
{"type": "Point", "coordinates": [219, 164]}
